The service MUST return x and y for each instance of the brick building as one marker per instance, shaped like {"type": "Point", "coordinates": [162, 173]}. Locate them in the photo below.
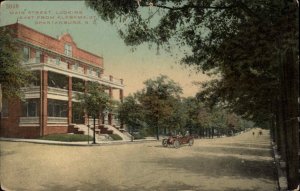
{"type": "Point", "coordinates": [62, 70]}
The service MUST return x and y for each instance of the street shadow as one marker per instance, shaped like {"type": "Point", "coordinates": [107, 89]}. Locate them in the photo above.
{"type": "Point", "coordinates": [265, 146]}
{"type": "Point", "coordinates": [220, 166]}
{"type": "Point", "coordinates": [234, 150]}
{"type": "Point", "coordinates": [6, 153]}
{"type": "Point", "coordinates": [82, 186]}
{"type": "Point", "coordinates": [163, 186]}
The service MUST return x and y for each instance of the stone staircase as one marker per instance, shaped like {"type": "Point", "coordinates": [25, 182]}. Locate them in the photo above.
{"type": "Point", "coordinates": [83, 129]}
{"type": "Point", "coordinates": [102, 132]}
{"type": "Point", "coordinates": [114, 130]}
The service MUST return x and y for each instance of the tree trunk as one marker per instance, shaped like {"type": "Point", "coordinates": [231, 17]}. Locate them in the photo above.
{"type": "Point", "coordinates": [157, 132]}
{"type": "Point", "coordinates": [281, 129]}
{"type": "Point", "coordinates": [291, 75]}
{"type": "Point", "coordinates": [94, 133]}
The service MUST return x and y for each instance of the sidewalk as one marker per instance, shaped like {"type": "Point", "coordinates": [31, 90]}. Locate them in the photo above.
{"type": "Point", "coordinates": [85, 143]}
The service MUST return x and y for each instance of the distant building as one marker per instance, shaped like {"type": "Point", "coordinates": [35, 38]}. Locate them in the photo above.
{"type": "Point", "coordinates": [62, 70]}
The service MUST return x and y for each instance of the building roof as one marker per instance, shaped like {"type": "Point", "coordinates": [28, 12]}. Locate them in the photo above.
{"type": "Point", "coordinates": [37, 38]}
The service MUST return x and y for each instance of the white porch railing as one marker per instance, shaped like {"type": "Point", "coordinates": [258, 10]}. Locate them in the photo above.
{"type": "Point", "coordinates": [58, 120]}
{"type": "Point", "coordinates": [75, 94]}
{"type": "Point", "coordinates": [106, 78]}
{"type": "Point", "coordinates": [57, 91]}
{"type": "Point", "coordinates": [31, 89]}
{"type": "Point", "coordinates": [59, 64]}
{"type": "Point", "coordinates": [29, 120]}
{"type": "Point", "coordinates": [117, 81]}
{"type": "Point", "coordinates": [78, 70]}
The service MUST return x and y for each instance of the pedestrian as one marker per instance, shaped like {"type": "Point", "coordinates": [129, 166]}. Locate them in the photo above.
{"type": "Point", "coordinates": [253, 133]}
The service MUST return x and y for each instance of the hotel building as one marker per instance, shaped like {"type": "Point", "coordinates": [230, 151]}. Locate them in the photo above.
{"type": "Point", "coordinates": [62, 70]}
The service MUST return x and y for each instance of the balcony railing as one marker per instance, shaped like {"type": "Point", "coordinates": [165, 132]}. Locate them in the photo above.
{"type": "Point", "coordinates": [106, 78]}
{"type": "Point", "coordinates": [31, 91]}
{"type": "Point", "coordinates": [60, 64]}
{"type": "Point", "coordinates": [57, 91]}
{"type": "Point", "coordinates": [79, 70]}
{"type": "Point", "coordinates": [113, 80]}
{"type": "Point", "coordinates": [58, 120]}
{"type": "Point", "coordinates": [75, 94]}
{"type": "Point", "coordinates": [29, 120]}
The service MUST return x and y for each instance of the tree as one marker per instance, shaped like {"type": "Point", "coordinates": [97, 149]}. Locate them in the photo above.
{"type": "Point", "coordinates": [95, 101]}
{"type": "Point", "coordinates": [248, 43]}
{"type": "Point", "coordinates": [131, 113]}
{"type": "Point", "coordinates": [193, 109]}
{"type": "Point", "coordinates": [158, 99]}
{"type": "Point", "coordinates": [13, 75]}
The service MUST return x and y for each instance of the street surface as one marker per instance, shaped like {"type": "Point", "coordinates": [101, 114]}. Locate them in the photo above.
{"type": "Point", "coordinates": [240, 163]}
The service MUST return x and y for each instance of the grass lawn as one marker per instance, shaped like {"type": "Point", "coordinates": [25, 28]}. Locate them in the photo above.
{"type": "Point", "coordinates": [67, 137]}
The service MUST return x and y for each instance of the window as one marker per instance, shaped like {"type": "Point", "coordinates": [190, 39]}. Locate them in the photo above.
{"type": "Point", "coordinates": [57, 108]}
{"type": "Point", "coordinates": [5, 108]}
{"type": "Point", "coordinates": [57, 61]}
{"type": "Point", "coordinates": [30, 108]}
{"type": "Point", "coordinates": [68, 50]}
{"type": "Point", "coordinates": [78, 84]}
{"type": "Point", "coordinates": [91, 71]}
{"type": "Point", "coordinates": [36, 78]}
{"type": "Point", "coordinates": [98, 72]}
{"type": "Point", "coordinates": [56, 80]}
{"type": "Point", "coordinates": [38, 57]}
{"type": "Point", "coordinates": [26, 54]}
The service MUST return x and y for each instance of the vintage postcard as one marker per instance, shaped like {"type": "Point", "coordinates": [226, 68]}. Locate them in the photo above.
{"type": "Point", "coordinates": [108, 95]}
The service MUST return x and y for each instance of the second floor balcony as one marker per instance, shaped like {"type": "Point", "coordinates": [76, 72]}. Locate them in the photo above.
{"type": "Point", "coordinates": [79, 71]}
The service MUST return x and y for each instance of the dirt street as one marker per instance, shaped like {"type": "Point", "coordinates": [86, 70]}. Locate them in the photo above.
{"type": "Point", "coordinates": [240, 163]}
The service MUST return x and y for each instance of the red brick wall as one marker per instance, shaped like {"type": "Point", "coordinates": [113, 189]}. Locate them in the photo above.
{"type": "Point", "coordinates": [55, 130]}
{"type": "Point", "coordinates": [10, 125]}
{"type": "Point", "coordinates": [37, 38]}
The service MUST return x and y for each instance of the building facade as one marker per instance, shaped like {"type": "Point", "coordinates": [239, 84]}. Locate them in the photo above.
{"type": "Point", "coordinates": [62, 71]}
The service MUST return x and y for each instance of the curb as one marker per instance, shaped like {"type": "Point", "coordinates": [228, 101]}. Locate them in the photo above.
{"type": "Point", "coordinates": [75, 143]}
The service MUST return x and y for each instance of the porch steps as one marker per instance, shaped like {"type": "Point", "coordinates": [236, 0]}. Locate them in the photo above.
{"type": "Point", "coordinates": [102, 132]}
{"type": "Point", "coordinates": [125, 135]}
{"type": "Point", "coordinates": [105, 130]}
{"type": "Point", "coordinates": [85, 130]}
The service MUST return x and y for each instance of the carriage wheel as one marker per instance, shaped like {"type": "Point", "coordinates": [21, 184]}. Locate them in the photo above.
{"type": "Point", "coordinates": [164, 142]}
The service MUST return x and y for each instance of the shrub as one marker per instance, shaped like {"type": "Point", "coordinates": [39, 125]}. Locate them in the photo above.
{"type": "Point", "coordinates": [67, 137]}
{"type": "Point", "coordinates": [138, 136]}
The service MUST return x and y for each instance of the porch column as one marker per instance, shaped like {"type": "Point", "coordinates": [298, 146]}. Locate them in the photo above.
{"type": "Point", "coordinates": [110, 115]}
{"type": "Point", "coordinates": [44, 102]}
{"type": "Point", "coordinates": [121, 95]}
{"type": "Point", "coordinates": [110, 92]}
{"type": "Point", "coordinates": [70, 100]}
{"type": "Point", "coordinates": [85, 113]}
{"type": "Point", "coordinates": [121, 100]}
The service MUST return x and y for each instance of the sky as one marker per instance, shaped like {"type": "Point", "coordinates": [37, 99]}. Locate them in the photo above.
{"type": "Point", "coordinates": [94, 35]}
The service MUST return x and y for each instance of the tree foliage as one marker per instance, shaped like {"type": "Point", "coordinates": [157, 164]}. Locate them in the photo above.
{"type": "Point", "coordinates": [131, 113]}
{"type": "Point", "coordinates": [159, 100]}
{"type": "Point", "coordinates": [13, 75]}
{"type": "Point", "coordinates": [251, 45]}
{"type": "Point", "coordinates": [95, 100]}
{"type": "Point", "coordinates": [239, 40]}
